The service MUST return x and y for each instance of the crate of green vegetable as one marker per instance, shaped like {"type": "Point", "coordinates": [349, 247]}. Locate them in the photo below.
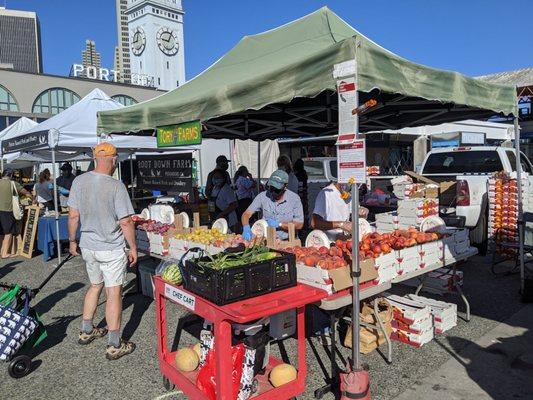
{"type": "Point", "coordinates": [237, 275]}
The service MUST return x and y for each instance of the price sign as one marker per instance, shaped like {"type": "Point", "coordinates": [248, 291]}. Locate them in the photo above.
{"type": "Point", "coordinates": [351, 162]}
{"type": "Point", "coordinates": [188, 133]}
{"type": "Point", "coordinates": [165, 172]}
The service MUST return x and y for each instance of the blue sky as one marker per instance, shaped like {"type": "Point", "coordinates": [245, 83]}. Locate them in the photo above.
{"type": "Point", "coordinates": [474, 37]}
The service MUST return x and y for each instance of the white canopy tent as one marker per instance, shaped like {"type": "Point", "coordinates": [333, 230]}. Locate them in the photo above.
{"type": "Point", "coordinates": [74, 129]}
{"type": "Point", "coordinates": [18, 127]}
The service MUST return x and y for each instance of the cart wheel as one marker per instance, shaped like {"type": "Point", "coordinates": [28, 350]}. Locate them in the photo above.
{"type": "Point", "coordinates": [167, 384]}
{"type": "Point", "coordinates": [19, 366]}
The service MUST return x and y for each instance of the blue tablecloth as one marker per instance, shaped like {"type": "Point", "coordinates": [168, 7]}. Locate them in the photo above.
{"type": "Point", "coordinates": [47, 235]}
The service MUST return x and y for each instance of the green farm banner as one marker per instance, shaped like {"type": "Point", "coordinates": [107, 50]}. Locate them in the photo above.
{"type": "Point", "coordinates": [179, 135]}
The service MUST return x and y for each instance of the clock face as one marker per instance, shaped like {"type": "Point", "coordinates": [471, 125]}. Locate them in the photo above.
{"type": "Point", "coordinates": [167, 40]}
{"type": "Point", "coordinates": [138, 41]}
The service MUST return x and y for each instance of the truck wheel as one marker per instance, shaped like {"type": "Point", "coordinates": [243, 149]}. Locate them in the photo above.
{"type": "Point", "coordinates": [481, 230]}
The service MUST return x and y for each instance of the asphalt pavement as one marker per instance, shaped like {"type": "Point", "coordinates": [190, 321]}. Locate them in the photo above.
{"type": "Point", "coordinates": [65, 370]}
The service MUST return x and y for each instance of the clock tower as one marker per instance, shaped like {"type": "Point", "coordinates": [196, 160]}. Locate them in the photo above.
{"type": "Point", "coordinates": [156, 43]}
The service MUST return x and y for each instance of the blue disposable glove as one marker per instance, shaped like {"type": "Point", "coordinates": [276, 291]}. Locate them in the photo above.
{"type": "Point", "coordinates": [247, 232]}
{"type": "Point", "coordinates": [273, 223]}
{"type": "Point", "coordinates": [63, 191]}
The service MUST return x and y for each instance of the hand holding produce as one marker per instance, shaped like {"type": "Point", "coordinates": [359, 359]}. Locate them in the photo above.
{"type": "Point", "coordinates": [247, 232]}
{"type": "Point", "coordinates": [273, 223]}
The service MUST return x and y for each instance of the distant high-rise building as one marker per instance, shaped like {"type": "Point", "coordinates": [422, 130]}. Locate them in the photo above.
{"type": "Point", "coordinates": [91, 60]}
{"type": "Point", "coordinates": [20, 40]}
{"type": "Point", "coordinates": [156, 43]}
{"type": "Point", "coordinates": [122, 52]}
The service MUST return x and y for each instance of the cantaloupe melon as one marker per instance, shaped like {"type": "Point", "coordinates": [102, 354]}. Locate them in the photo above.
{"type": "Point", "coordinates": [198, 349]}
{"type": "Point", "coordinates": [282, 374]}
{"type": "Point", "coordinates": [187, 360]}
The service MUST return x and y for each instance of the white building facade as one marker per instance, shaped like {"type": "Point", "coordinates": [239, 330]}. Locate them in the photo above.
{"type": "Point", "coordinates": [157, 55]}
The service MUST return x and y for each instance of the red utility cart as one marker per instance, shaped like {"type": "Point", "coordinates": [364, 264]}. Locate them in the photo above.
{"type": "Point", "coordinates": [222, 316]}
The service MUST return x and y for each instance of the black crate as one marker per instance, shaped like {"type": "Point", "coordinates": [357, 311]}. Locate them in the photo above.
{"type": "Point", "coordinates": [239, 283]}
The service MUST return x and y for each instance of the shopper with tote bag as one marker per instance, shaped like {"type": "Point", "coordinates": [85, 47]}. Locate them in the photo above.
{"type": "Point", "coordinates": [10, 210]}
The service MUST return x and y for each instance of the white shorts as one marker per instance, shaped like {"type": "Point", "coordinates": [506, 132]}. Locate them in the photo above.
{"type": "Point", "coordinates": [106, 266]}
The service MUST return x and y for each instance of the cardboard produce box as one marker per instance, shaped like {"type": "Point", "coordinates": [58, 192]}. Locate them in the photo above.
{"type": "Point", "coordinates": [335, 280]}
{"type": "Point", "coordinates": [444, 191]}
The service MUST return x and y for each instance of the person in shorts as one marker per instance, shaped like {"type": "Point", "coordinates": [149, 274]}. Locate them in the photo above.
{"type": "Point", "coordinates": [100, 205]}
{"type": "Point", "coordinates": [8, 224]}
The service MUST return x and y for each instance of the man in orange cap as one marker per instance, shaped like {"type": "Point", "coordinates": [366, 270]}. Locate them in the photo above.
{"type": "Point", "coordinates": [101, 205]}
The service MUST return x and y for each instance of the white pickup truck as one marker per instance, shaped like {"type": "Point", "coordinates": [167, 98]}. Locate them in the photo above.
{"type": "Point", "coordinates": [471, 168]}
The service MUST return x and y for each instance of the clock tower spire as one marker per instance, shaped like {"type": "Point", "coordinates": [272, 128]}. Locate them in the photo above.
{"type": "Point", "coordinates": [156, 43]}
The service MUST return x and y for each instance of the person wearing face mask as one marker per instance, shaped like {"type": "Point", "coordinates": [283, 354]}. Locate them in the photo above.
{"type": "Point", "coordinates": [223, 202]}
{"type": "Point", "coordinates": [333, 210]}
{"type": "Point", "coordinates": [279, 205]}
{"type": "Point", "coordinates": [222, 164]}
{"type": "Point", "coordinates": [100, 206]}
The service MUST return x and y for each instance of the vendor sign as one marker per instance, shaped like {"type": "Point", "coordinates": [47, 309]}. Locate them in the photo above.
{"type": "Point", "coordinates": [165, 172]}
{"type": "Point", "coordinates": [24, 142]}
{"type": "Point", "coordinates": [347, 94]}
{"type": "Point", "coordinates": [184, 134]}
{"type": "Point", "coordinates": [351, 162]}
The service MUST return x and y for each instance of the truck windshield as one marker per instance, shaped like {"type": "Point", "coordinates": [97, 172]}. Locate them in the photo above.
{"type": "Point", "coordinates": [459, 162]}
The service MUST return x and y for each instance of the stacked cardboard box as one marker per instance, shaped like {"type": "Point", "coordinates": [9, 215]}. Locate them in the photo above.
{"type": "Point", "coordinates": [334, 280]}
{"type": "Point", "coordinates": [387, 267]}
{"type": "Point", "coordinates": [444, 314]}
{"type": "Point", "coordinates": [412, 322]}
{"type": "Point", "coordinates": [439, 281]}
{"type": "Point", "coordinates": [456, 242]}
{"type": "Point", "coordinates": [158, 244]}
{"type": "Point", "coordinates": [411, 212]}
{"type": "Point", "coordinates": [408, 259]}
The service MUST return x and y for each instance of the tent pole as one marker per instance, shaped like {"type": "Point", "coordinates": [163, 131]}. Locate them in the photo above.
{"type": "Point", "coordinates": [119, 171]}
{"type": "Point", "coordinates": [131, 176]}
{"type": "Point", "coordinates": [356, 269]}
{"type": "Point", "coordinates": [520, 209]}
{"type": "Point", "coordinates": [258, 165]}
{"type": "Point", "coordinates": [1, 160]}
{"type": "Point", "coordinates": [58, 244]}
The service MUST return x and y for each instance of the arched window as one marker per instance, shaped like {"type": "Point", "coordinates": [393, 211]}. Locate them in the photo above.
{"type": "Point", "coordinates": [124, 100]}
{"type": "Point", "coordinates": [53, 101]}
{"type": "Point", "coordinates": [7, 101]}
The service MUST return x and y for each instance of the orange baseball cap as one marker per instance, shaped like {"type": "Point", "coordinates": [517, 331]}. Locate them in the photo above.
{"type": "Point", "coordinates": [105, 149]}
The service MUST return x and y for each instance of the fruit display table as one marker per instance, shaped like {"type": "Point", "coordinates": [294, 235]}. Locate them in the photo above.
{"type": "Point", "coordinates": [222, 317]}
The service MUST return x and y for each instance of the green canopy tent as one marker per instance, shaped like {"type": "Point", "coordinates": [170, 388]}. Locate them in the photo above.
{"type": "Point", "coordinates": [279, 83]}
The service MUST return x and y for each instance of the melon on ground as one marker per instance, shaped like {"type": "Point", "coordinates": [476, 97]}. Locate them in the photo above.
{"type": "Point", "coordinates": [282, 374]}
{"type": "Point", "coordinates": [187, 360]}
